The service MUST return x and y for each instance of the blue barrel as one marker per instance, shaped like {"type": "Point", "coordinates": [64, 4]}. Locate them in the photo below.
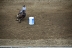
{"type": "Point", "coordinates": [31, 20]}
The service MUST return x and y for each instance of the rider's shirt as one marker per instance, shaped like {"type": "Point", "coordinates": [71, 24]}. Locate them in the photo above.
{"type": "Point", "coordinates": [23, 8]}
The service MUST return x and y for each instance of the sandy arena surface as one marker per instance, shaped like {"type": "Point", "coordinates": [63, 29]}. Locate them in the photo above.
{"type": "Point", "coordinates": [53, 23]}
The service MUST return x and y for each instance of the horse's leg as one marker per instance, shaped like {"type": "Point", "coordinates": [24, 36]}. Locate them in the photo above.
{"type": "Point", "coordinates": [17, 19]}
{"type": "Point", "coordinates": [18, 14]}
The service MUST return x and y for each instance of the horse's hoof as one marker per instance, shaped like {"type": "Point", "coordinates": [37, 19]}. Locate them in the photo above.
{"type": "Point", "coordinates": [17, 20]}
{"type": "Point", "coordinates": [20, 22]}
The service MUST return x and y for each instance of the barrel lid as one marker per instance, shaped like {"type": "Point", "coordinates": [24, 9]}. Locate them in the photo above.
{"type": "Point", "coordinates": [31, 17]}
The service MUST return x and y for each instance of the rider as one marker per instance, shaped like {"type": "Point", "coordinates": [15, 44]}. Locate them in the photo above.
{"type": "Point", "coordinates": [23, 8]}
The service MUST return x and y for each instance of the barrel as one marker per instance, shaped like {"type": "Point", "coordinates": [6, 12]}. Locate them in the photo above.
{"type": "Point", "coordinates": [31, 20]}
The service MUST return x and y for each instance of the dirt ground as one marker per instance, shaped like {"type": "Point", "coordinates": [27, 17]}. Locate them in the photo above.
{"type": "Point", "coordinates": [53, 20]}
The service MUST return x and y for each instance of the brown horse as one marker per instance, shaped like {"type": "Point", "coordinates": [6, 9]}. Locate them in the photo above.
{"type": "Point", "coordinates": [21, 16]}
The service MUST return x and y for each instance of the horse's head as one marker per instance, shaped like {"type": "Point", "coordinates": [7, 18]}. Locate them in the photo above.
{"type": "Point", "coordinates": [20, 15]}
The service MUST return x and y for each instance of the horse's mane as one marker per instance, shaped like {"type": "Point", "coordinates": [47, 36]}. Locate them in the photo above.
{"type": "Point", "coordinates": [23, 11]}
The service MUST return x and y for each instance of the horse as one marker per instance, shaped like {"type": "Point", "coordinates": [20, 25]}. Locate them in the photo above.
{"type": "Point", "coordinates": [21, 15]}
